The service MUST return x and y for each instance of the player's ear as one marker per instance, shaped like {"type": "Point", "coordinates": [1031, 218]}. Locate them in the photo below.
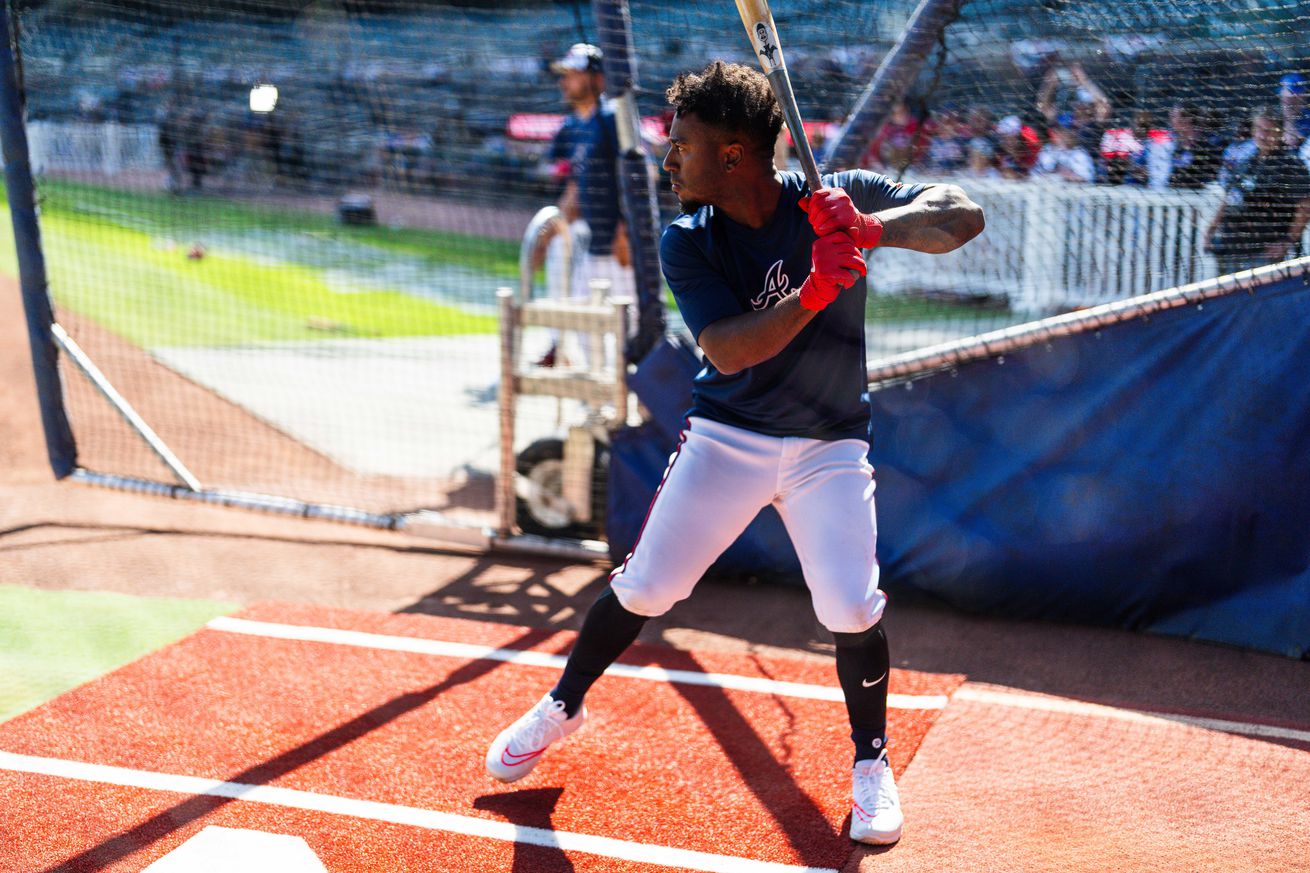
{"type": "Point", "coordinates": [731, 155]}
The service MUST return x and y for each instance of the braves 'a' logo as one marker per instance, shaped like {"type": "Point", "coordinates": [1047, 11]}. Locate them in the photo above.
{"type": "Point", "coordinates": [776, 287]}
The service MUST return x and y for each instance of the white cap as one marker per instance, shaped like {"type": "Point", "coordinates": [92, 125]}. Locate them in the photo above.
{"type": "Point", "coordinates": [580, 56]}
{"type": "Point", "coordinates": [1009, 125]}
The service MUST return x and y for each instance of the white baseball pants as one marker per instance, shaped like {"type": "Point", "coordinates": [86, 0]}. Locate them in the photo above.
{"type": "Point", "coordinates": [585, 349]}
{"type": "Point", "coordinates": [719, 478]}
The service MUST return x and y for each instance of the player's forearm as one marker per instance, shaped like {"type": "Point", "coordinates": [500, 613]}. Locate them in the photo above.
{"type": "Point", "coordinates": [568, 202]}
{"type": "Point", "coordinates": [941, 219]}
{"type": "Point", "coordinates": [732, 344]}
{"type": "Point", "coordinates": [1101, 105]}
{"type": "Point", "coordinates": [622, 250]}
{"type": "Point", "coordinates": [1046, 97]}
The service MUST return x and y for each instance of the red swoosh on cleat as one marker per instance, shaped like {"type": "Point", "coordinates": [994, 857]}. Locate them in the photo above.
{"type": "Point", "coordinates": [518, 759]}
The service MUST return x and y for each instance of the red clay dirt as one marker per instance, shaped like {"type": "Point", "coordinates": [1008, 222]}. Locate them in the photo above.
{"type": "Point", "coordinates": [705, 769]}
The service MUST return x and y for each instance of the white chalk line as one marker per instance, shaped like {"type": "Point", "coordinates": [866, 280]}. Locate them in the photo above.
{"type": "Point", "coordinates": [370, 810]}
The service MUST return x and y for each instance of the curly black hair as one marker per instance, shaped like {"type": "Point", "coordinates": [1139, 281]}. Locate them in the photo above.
{"type": "Point", "coordinates": [733, 97]}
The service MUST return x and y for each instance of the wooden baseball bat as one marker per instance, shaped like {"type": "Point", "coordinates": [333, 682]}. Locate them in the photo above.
{"type": "Point", "coordinates": [763, 33]}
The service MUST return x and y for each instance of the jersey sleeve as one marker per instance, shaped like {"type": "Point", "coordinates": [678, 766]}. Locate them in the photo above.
{"type": "Point", "coordinates": [874, 192]}
{"type": "Point", "coordinates": [702, 293]}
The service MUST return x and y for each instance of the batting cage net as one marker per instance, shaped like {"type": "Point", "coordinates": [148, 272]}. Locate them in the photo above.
{"type": "Point", "coordinates": [277, 229]}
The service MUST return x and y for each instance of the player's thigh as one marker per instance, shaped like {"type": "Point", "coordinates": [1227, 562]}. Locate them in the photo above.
{"type": "Point", "coordinates": [619, 282]}
{"type": "Point", "coordinates": [558, 282]}
{"type": "Point", "coordinates": [828, 507]}
{"type": "Point", "coordinates": [591, 270]}
{"type": "Point", "coordinates": [584, 266]}
{"type": "Point", "coordinates": [622, 282]}
{"type": "Point", "coordinates": [716, 483]}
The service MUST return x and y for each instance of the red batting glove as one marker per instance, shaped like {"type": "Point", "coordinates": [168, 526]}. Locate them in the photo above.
{"type": "Point", "coordinates": [831, 211]}
{"type": "Point", "coordinates": [833, 259]}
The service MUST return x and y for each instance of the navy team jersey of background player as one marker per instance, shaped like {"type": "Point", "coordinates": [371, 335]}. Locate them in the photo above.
{"type": "Point", "coordinates": [817, 386]}
{"type": "Point", "coordinates": [591, 147]}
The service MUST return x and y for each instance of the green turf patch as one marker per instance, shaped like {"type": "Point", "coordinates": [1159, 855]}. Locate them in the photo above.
{"type": "Point", "coordinates": [52, 641]}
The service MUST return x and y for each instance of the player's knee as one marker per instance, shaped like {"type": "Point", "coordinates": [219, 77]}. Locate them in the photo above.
{"type": "Point", "coordinates": [858, 639]}
{"type": "Point", "coordinates": [851, 615]}
{"type": "Point", "coordinates": [644, 600]}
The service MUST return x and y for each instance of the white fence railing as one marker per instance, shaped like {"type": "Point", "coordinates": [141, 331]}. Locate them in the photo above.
{"type": "Point", "coordinates": [1052, 245]}
{"type": "Point", "coordinates": [101, 148]}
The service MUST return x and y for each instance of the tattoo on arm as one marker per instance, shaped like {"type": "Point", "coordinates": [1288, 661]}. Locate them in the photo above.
{"type": "Point", "coordinates": [942, 218]}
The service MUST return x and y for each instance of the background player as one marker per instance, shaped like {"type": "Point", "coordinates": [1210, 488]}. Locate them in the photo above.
{"type": "Point", "coordinates": [585, 152]}
{"type": "Point", "coordinates": [780, 412]}
{"type": "Point", "coordinates": [1266, 204]}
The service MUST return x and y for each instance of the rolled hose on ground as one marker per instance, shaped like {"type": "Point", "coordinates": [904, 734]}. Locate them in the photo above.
{"type": "Point", "coordinates": [543, 512]}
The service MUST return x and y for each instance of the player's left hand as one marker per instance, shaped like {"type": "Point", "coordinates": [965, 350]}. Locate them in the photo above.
{"type": "Point", "coordinates": [830, 210]}
{"type": "Point", "coordinates": [835, 263]}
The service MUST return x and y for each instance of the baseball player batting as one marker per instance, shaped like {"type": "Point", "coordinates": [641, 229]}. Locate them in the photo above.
{"type": "Point", "coordinates": [780, 412]}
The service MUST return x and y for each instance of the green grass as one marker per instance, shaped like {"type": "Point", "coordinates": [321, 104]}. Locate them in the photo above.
{"type": "Point", "coordinates": [194, 216]}
{"type": "Point", "coordinates": [901, 308]}
{"type": "Point", "coordinates": [52, 641]}
{"type": "Point", "coordinates": [119, 258]}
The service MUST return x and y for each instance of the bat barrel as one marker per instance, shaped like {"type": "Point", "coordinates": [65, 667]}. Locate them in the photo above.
{"type": "Point", "coordinates": [791, 113]}
{"type": "Point", "coordinates": [763, 36]}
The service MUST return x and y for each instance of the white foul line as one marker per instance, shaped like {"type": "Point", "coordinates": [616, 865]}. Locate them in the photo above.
{"type": "Point", "coordinates": [289, 798]}
{"type": "Point", "coordinates": [441, 648]}
{"type": "Point", "coordinates": [465, 651]}
{"type": "Point", "coordinates": [1077, 707]}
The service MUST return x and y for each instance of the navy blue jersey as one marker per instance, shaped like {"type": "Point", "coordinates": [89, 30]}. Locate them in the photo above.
{"type": "Point", "coordinates": [566, 138]}
{"type": "Point", "coordinates": [591, 146]}
{"type": "Point", "coordinates": [817, 386]}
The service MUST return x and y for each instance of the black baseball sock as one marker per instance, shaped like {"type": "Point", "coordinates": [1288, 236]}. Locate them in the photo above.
{"type": "Point", "coordinates": [862, 666]}
{"type": "Point", "coordinates": [607, 630]}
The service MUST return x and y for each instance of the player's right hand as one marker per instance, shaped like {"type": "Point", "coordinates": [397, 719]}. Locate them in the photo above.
{"type": "Point", "coordinates": [831, 210]}
{"type": "Point", "coordinates": [835, 261]}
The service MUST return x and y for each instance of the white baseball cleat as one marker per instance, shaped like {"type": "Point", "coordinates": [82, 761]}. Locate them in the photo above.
{"type": "Point", "coordinates": [518, 748]}
{"type": "Point", "coordinates": [876, 811]}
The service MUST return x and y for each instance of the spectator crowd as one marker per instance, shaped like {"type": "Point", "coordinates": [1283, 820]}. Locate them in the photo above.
{"type": "Point", "coordinates": [1071, 136]}
{"type": "Point", "coordinates": [1259, 160]}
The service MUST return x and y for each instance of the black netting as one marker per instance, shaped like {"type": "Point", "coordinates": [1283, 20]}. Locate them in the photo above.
{"type": "Point", "coordinates": [303, 298]}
